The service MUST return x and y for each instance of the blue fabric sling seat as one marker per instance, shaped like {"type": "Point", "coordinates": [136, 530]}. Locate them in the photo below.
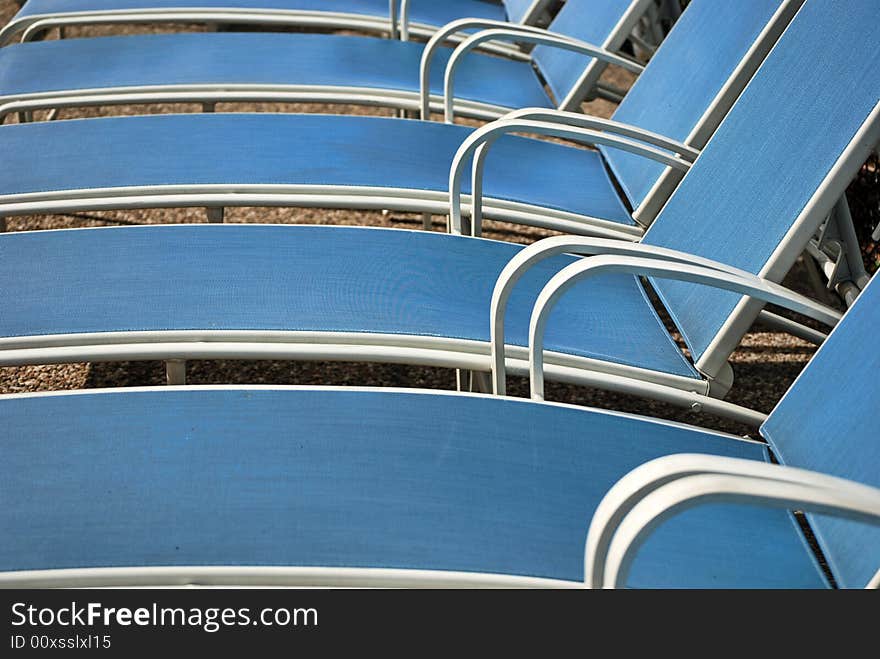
{"type": "Point", "coordinates": [333, 280]}
{"type": "Point", "coordinates": [299, 478]}
{"type": "Point", "coordinates": [424, 15]}
{"type": "Point", "coordinates": [346, 68]}
{"type": "Point", "coordinates": [251, 60]}
{"type": "Point", "coordinates": [353, 479]}
{"type": "Point", "coordinates": [344, 154]}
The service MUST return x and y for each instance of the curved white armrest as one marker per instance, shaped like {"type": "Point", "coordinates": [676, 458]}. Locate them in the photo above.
{"type": "Point", "coordinates": [584, 246]}
{"type": "Point", "coordinates": [577, 127]}
{"type": "Point", "coordinates": [392, 15]}
{"type": "Point", "coordinates": [563, 117]}
{"type": "Point", "coordinates": [646, 478]}
{"type": "Point", "coordinates": [518, 34]}
{"type": "Point", "coordinates": [445, 33]}
{"type": "Point", "coordinates": [654, 492]}
{"type": "Point", "coordinates": [478, 142]}
{"type": "Point", "coordinates": [739, 282]}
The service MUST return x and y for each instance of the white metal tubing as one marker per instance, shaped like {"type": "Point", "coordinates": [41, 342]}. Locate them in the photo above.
{"type": "Point", "coordinates": [31, 26]}
{"type": "Point", "coordinates": [303, 577]}
{"type": "Point", "coordinates": [161, 349]}
{"type": "Point", "coordinates": [267, 344]}
{"type": "Point", "coordinates": [745, 284]}
{"type": "Point", "coordinates": [587, 374]}
{"type": "Point", "coordinates": [845, 499]}
{"type": "Point", "coordinates": [156, 199]}
{"type": "Point", "coordinates": [275, 344]}
{"type": "Point", "coordinates": [445, 33]}
{"type": "Point", "coordinates": [688, 397]}
{"type": "Point", "coordinates": [686, 153]}
{"type": "Point", "coordinates": [517, 34]}
{"type": "Point", "coordinates": [644, 479]}
{"type": "Point", "coordinates": [339, 346]}
{"type": "Point", "coordinates": [850, 243]}
{"type": "Point", "coordinates": [392, 15]}
{"type": "Point", "coordinates": [402, 199]}
{"type": "Point", "coordinates": [404, 19]}
{"type": "Point", "coordinates": [499, 128]}
{"type": "Point", "coordinates": [230, 93]}
{"type": "Point", "coordinates": [575, 245]}
{"type": "Point", "coordinates": [563, 221]}
{"type": "Point", "coordinates": [474, 225]}
{"type": "Point", "coordinates": [775, 321]}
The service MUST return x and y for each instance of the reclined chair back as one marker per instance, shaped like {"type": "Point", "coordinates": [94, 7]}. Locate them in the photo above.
{"type": "Point", "coordinates": [692, 81]}
{"type": "Point", "coordinates": [827, 421]}
{"type": "Point", "coordinates": [607, 23]}
{"type": "Point", "coordinates": [773, 170]}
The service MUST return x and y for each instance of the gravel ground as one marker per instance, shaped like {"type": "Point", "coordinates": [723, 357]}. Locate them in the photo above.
{"type": "Point", "coordinates": [764, 365]}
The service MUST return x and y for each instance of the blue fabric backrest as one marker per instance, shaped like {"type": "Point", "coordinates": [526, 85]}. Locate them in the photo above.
{"type": "Point", "coordinates": [769, 156]}
{"type": "Point", "coordinates": [592, 21]}
{"type": "Point", "coordinates": [828, 422]}
{"type": "Point", "coordinates": [683, 78]}
{"type": "Point", "coordinates": [517, 9]}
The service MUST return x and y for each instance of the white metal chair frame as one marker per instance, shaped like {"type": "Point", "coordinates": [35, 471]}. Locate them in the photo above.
{"type": "Point", "coordinates": [652, 493]}
{"type": "Point", "coordinates": [424, 102]}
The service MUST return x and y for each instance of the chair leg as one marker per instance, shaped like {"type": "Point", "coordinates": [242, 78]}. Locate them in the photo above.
{"type": "Point", "coordinates": [2, 224]}
{"type": "Point", "coordinates": [475, 381]}
{"type": "Point", "coordinates": [481, 382]}
{"type": "Point", "coordinates": [175, 371]}
{"type": "Point", "coordinates": [837, 252]}
{"type": "Point", "coordinates": [427, 221]}
{"type": "Point", "coordinates": [846, 228]}
{"type": "Point", "coordinates": [820, 290]}
{"type": "Point", "coordinates": [215, 214]}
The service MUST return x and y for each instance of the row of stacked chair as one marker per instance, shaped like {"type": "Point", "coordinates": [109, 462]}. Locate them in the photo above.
{"type": "Point", "coordinates": [721, 163]}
